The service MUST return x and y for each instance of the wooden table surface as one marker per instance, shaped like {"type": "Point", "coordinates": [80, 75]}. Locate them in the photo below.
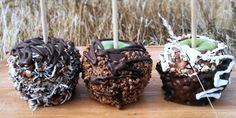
{"type": "Point", "coordinates": [150, 105]}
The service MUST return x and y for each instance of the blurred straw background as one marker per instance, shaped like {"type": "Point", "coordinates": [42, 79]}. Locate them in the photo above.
{"type": "Point", "coordinates": [81, 21]}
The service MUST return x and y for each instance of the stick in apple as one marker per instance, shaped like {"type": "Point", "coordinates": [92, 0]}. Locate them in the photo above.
{"type": "Point", "coordinates": [115, 23]}
{"type": "Point", "coordinates": [193, 23]}
{"type": "Point", "coordinates": [44, 21]}
{"type": "Point", "coordinates": [194, 32]}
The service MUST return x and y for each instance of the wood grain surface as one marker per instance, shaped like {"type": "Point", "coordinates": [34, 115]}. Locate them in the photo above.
{"type": "Point", "coordinates": [150, 105]}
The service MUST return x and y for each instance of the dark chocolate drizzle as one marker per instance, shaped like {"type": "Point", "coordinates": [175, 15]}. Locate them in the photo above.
{"type": "Point", "coordinates": [50, 51]}
{"type": "Point", "coordinates": [115, 56]}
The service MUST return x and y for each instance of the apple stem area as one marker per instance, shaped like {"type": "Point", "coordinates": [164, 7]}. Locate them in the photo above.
{"type": "Point", "coordinates": [110, 45]}
{"type": "Point", "coordinates": [202, 45]}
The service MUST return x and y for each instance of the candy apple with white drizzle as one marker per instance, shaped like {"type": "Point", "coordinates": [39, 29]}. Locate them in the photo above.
{"type": "Point", "coordinates": [180, 63]}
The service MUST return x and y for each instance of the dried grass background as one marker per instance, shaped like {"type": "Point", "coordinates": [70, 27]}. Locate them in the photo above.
{"type": "Point", "coordinates": [81, 21]}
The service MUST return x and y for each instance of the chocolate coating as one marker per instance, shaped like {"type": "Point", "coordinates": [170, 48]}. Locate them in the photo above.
{"type": "Point", "coordinates": [116, 76]}
{"type": "Point", "coordinates": [45, 74]}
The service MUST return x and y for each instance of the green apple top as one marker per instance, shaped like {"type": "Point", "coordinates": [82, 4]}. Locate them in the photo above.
{"type": "Point", "coordinates": [202, 45]}
{"type": "Point", "coordinates": [108, 44]}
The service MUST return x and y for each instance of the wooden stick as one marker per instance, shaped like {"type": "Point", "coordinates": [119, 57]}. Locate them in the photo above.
{"type": "Point", "coordinates": [115, 23]}
{"type": "Point", "coordinates": [194, 32]}
{"type": "Point", "coordinates": [193, 23]}
{"type": "Point", "coordinates": [44, 21]}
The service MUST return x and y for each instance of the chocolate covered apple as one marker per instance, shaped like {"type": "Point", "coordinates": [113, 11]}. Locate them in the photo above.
{"type": "Point", "coordinates": [45, 73]}
{"type": "Point", "coordinates": [116, 76]}
{"type": "Point", "coordinates": [181, 66]}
